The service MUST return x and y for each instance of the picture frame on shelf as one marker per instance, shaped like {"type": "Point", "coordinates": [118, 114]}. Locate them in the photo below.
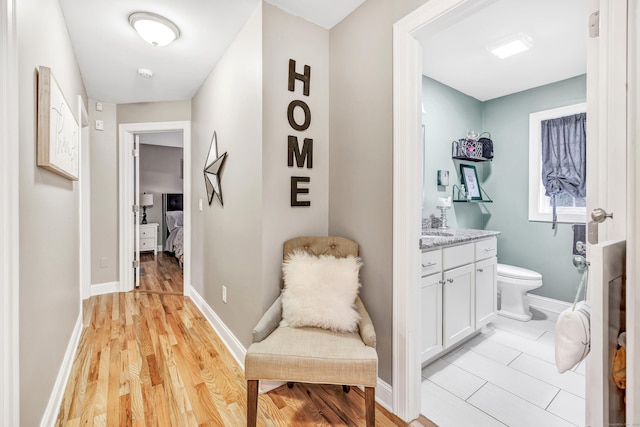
{"type": "Point", "coordinates": [469, 178]}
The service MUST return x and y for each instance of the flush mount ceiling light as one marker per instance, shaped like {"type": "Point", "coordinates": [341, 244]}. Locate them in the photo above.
{"type": "Point", "coordinates": [145, 72]}
{"type": "Point", "coordinates": [511, 45]}
{"type": "Point", "coordinates": [154, 29]}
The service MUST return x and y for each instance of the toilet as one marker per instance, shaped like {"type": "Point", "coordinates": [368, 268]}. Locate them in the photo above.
{"type": "Point", "coordinates": [513, 285]}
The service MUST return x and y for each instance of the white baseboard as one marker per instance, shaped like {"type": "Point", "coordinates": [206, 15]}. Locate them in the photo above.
{"type": "Point", "coordinates": [552, 306]}
{"type": "Point", "coordinates": [228, 338]}
{"type": "Point", "coordinates": [384, 395]}
{"type": "Point", "coordinates": [104, 288]}
{"type": "Point", "coordinates": [55, 400]}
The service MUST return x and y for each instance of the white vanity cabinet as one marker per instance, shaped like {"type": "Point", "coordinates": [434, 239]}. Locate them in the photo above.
{"type": "Point", "coordinates": [458, 294]}
{"type": "Point", "coordinates": [486, 281]}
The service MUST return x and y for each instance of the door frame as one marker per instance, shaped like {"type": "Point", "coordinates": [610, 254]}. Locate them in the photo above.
{"type": "Point", "coordinates": [126, 196]}
{"type": "Point", "coordinates": [407, 183]}
{"type": "Point", "coordinates": [84, 189]}
{"type": "Point", "coordinates": [9, 219]}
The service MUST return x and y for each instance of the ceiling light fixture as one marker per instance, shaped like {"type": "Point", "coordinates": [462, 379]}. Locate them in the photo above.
{"type": "Point", "coordinates": [511, 45]}
{"type": "Point", "coordinates": [145, 72]}
{"type": "Point", "coordinates": [154, 29]}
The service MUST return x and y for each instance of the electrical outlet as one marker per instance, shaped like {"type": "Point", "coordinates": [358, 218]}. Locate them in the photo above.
{"type": "Point", "coordinates": [224, 294]}
{"type": "Point", "coordinates": [99, 125]}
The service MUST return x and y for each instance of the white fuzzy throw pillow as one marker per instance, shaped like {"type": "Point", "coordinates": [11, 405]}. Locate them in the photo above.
{"type": "Point", "coordinates": [320, 291]}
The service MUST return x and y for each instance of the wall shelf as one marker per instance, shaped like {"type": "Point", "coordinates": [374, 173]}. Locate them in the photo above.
{"type": "Point", "coordinates": [457, 196]}
{"type": "Point", "coordinates": [471, 159]}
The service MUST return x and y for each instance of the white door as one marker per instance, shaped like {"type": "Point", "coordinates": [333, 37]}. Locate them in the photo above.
{"type": "Point", "coordinates": [136, 210]}
{"type": "Point", "coordinates": [605, 402]}
{"type": "Point", "coordinates": [431, 316]}
{"type": "Point", "coordinates": [607, 188]}
{"type": "Point", "coordinates": [486, 291]}
{"type": "Point", "coordinates": [458, 311]}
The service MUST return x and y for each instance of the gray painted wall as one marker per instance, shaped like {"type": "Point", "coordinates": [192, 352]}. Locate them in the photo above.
{"type": "Point", "coordinates": [531, 245]}
{"type": "Point", "coordinates": [527, 244]}
{"type": "Point", "coordinates": [245, 101]}
{"type": "Point", "coordinates": [104, 194]}
{"type": "Point", "coordinates": [104, 175]}
{"type": "Point", "coordinates": [361, 152]}
{"type": "Point", "coordinates": [227, 240]}
{"type": "Point", "coordinates": [48, 208]}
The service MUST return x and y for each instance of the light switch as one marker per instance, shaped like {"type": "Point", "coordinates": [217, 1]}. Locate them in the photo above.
{"type": "Point", "coordinates": [98, 106]}
{"type": "Point", "coordinates": [99, 125]}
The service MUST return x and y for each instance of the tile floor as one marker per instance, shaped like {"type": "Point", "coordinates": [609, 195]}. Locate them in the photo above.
{"type": "Point", "coordinates": [505, 376]}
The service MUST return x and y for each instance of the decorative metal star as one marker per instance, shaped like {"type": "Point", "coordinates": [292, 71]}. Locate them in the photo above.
{"type": "Point", "coordinates": [213, 170]}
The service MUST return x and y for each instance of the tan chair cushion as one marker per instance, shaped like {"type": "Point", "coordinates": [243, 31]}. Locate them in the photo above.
{"type": "Point", "coordinates": [312, 355]}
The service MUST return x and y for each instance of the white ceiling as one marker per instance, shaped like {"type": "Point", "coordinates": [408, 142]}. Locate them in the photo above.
{"type": "Point", "coordinates": [109, 51]}
{"type": "Point", "coordinates": [455, 46]}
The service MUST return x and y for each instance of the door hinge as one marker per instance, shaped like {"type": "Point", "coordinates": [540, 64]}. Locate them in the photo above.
{"type": "Point", "coordinates": [594, 24]}
{"type": "Point", "coordinates": [136, 264]}
{"type": "Point", "coordinates": [135, 208]}
{"type": "Point", "coordinates": [134, 152]}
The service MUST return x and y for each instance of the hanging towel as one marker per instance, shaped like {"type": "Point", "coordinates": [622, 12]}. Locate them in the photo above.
{"type": "Point", "coordinates": [573, 332]}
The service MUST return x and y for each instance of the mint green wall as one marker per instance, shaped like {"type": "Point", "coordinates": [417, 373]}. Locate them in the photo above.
{"type": "Point", "coordinates": [532, 245]}
{"type": "Point", "coordinates": [448, 116]}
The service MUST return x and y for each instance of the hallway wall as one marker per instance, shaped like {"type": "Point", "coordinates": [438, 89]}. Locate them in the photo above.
{"type": "Point", "coordinates": [49, 213]}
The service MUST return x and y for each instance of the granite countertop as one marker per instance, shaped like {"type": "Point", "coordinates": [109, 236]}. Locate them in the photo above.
{"type": "Point", "coordinates": [436, 237]}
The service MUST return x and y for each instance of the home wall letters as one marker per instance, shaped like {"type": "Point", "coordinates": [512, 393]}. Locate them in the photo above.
{"type": "Point", "coordinates": [293, 146]}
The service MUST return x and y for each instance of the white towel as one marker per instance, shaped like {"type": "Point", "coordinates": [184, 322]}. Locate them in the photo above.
{"type": "Point", "coordinates": [573, 336]}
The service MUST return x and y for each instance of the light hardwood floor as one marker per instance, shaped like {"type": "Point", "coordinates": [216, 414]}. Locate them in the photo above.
{"type": "Point", "coordinates": [148, 359]}
{"type": "Point", "coordinates": [163, 274]}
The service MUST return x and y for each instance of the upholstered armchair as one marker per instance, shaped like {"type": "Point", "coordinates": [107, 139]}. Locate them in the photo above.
{"type": "Point", "coordinates": [312, 354]}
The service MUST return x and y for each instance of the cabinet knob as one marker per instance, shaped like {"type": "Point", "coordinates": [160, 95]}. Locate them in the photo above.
{"type": "Point", "coordinates": [442, 282]}
{"type": "Point", "coordinates": [450, 280]}
{"type": "Point", "coordinates": [479, 270]}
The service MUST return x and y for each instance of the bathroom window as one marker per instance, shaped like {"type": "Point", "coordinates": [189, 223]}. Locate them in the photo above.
{"type": "Point", "coordinates": [568, 209]}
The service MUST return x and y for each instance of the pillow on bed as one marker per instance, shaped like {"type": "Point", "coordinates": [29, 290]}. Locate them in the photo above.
{"type": "Point", "coordinates": [320, 291]}
{"type": "Point", "coordinates": [174, 219]}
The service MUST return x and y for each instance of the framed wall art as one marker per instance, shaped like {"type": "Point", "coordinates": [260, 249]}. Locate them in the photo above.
{"type": "Point", "coordinates": [58, 129]}
{"type": "Point", "coordinates": [470, 180]}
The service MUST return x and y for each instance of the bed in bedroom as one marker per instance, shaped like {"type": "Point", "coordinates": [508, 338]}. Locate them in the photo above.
{"type": "Point", "coordinates": [173, 226]}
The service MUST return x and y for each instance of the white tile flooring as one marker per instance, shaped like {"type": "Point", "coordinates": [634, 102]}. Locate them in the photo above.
{"type": "Point", "coordinates": [505, 376]}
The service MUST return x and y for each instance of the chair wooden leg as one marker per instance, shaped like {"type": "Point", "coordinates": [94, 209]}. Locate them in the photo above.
{"type": "Point", "coordinates": [252, 403]}
{"type": "Point", "coordinates": [346, 388]}
{"type": "Point", "coordinates": [370, 405]}
{"type": "Point", "coordinates": [290, 384]}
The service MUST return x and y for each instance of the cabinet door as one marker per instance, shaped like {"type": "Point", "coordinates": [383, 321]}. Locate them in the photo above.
{"type": "Point", "coordinates": [486, 291]}
{"type": "Point", "coordinates": [431, 316]}
{"type": "Point", "coordinates": [458, 304]}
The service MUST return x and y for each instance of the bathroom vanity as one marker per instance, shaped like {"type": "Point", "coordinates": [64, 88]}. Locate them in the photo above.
{"type": "Point", "coordinates": [459, 286]}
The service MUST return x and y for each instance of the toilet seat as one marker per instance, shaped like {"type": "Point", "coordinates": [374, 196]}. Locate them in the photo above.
{"type": "Point", "coordinates": [513, 272]}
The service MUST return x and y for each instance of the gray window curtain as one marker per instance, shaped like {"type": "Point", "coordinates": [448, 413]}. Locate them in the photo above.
{"type": "Point", "coordinates": [564, 153]}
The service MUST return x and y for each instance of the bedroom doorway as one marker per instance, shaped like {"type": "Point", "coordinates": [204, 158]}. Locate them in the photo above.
{"type": "Point", "coordinates": [160, 181]}
{"type": "Point", "coordinates": [160, 178]}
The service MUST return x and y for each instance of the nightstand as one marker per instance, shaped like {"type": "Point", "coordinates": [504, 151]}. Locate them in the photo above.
{"type": "Point", "coordinates": [149, 237]}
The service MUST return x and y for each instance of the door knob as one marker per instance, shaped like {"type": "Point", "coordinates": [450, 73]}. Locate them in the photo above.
{"type": "Point", "coordinates": [599, 215]}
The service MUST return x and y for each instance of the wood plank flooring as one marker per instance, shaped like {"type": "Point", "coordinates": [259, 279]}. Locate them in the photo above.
{"type": "Point", "coordinates": [148, 359]}
{"type": "Point", "coordinates": [163, 274]}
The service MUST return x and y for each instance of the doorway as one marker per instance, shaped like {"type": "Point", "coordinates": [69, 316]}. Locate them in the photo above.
{"type": "Point", "coordinates": [408, 179]}
{"type": "Point", "coordinates": [156, 260]}
{"type": "Point", "coordinates": [161, 189]}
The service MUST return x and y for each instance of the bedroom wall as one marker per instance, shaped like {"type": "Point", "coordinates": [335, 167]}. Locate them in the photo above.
{"type": "Point", "coordinates": [48, 208]}
{"type": "Point", "coordinates": [226, 246]}
{"type": "Point", "coordinates": [361, 152]}
{"type": "Point", "coordinates": [160, 172]}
